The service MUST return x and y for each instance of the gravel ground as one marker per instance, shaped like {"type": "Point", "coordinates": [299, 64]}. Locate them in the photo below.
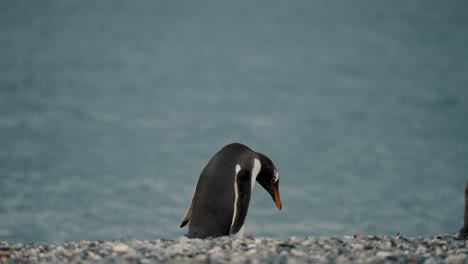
{"type": "Point", "coordinates": [358, 248]}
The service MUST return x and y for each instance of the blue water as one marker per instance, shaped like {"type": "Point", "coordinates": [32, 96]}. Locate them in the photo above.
{"type": "Point", "coordinates": [109, 111]}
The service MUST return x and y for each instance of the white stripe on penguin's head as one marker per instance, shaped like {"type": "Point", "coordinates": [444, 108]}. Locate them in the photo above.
{"type": "Point", "coordinates": [276, 176]}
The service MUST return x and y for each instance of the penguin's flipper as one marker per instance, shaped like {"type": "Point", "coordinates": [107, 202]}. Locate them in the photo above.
{"type": "Point", "coordinates": [243, 190]}
{"type": "Point", "coordinates": [189, 212]}
{"type": "Point", "coordinates": [184, 222]}
{"type": "Point", "coordinates": [187, 216]}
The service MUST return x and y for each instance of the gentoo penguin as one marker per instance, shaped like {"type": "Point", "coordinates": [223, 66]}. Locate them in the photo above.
{"type": "Point", "coordinates": [221, 199]}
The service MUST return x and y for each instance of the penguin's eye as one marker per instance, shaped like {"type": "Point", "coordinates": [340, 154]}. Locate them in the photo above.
{"type": "Point", "coordinates": [275, 178]}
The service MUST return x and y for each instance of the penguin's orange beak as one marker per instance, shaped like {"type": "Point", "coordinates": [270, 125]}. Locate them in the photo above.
{"type": "Point", "coordinates": [276, 197]}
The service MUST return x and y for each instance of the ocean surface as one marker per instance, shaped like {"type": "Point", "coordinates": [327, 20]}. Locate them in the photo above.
{"type": "Point", "coordinates": [109, 110]}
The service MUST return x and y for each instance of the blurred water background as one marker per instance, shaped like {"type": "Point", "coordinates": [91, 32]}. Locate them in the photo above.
{"type": "Point", "coordinates": [109, 111]}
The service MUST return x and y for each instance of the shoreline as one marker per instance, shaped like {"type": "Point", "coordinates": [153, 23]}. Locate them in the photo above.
{"type": "Point", "coordinates": [358, 248]}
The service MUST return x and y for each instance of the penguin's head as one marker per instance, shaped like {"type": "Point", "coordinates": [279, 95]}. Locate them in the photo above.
{"type": "Point", "coordinates": [268, 178]}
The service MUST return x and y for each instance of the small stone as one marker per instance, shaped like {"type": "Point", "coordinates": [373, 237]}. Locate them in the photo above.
{"type": "Point", "coordinates": [388, 244]}
{"type": "Point", "coordinates": [293, 240]}
{"type": "Point", "coordinates": [216, 258]}
{"type": "Point", "coordinates": [455, 259]}
{"type": "Point", "coordinates": [420, 250]}
{"type": "Point", "coordinates": [384, 254]}
{"type": "Point", "coordinates": [131, 255]}
{"type": "Point", "coordinates": [251, 251]}
{"type": "Point", "coordinates": [91, 255]}
{"type": "Point", "coordinates": [297, 253]}
{"type": "Point", "coordinates": [236, 243]}
{"type": "Point", "coordinates": [318, 258]}
{"type": "Point", "coordinates": [215, 249]}
{"type": "Point", "coordinates": [342, 259]}
{"type": "Point", "coordinates": [368, 247]}
{"type": "Point", "coordinates": [431, 261]}
{"type": "Point", "coordinates": [357, 246]}
{"type": "Point", "coordinates": [306, 243]}
{"type": "Point", "coordinates": [462, 251]}
{"type": "Point", "coordinates": [200, 257]}
{"type": "Point", "coordinates": [183, 239]}
{"type": "Point", "coordinates": [120, 247]}
{"type": "Point", "coordinates": [4, 247]}
{"type": "Point", "coordinates": [359, 235]}
{"type": "Point", "coordinates": [322, 239]}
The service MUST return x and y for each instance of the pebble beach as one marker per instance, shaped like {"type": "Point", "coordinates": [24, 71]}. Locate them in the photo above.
{"type": "Point", "coordinates": [358, 248]}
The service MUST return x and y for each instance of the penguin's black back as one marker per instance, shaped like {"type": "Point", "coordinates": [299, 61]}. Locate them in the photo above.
{"type": "Point", "coordinates": [212, 207]}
